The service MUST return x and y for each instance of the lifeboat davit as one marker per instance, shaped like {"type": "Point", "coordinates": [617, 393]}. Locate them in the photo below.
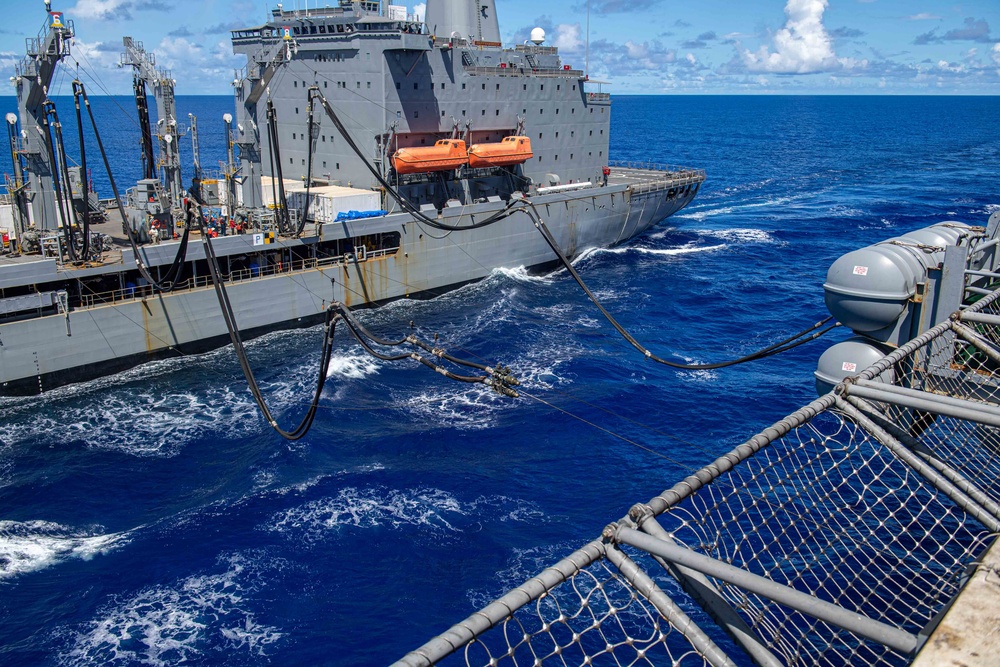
{"type": "Point", "coordinates": [510, 151]}
{"type": "Point", "coordinates": [444, 155]}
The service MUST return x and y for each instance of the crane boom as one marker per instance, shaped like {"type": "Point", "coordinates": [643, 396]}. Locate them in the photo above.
{"type": "Point", "coordinates": [249, 90]}
{"type": "Point", "coordinates": [159, 80]}
{"type": "Point", "coordinates": [33, 77]}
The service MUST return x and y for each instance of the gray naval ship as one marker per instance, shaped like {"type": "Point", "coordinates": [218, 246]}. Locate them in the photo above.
{"type": "Point", "coordinates": [373, 156]}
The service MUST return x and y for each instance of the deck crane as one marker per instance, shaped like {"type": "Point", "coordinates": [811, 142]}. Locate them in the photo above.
{"type": "Point", "coordinates": [33, 75]}
{"type": "Point", "coordinates": [250, 87]}
{"type": "Point", "coordinates": [167, 130]}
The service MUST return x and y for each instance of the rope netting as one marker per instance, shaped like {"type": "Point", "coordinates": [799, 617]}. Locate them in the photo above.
{"type": "Point", "coordinates": [594, 618]}
{"type": "Point", "coordinates": [828, 511]}
{"type": "Point", "coordinates": [874, 508]}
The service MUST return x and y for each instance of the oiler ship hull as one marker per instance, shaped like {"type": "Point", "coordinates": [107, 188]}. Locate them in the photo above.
{"type": "Point", "coordinates": [86, 341]}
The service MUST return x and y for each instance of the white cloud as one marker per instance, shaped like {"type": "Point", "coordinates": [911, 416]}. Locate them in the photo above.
{"type": "Point", "coordinates": [568, 37]}
{"type": "Point", "coordinates": [802, 46]}
{"type": "Point", "coordinates": [99, 9]}
{"type": "Point", "coordinates": [419, 11]}
{"type": "Point", "coordinates": [924, 16]}
{"type": "Point", "coordinates": [995, 53]}
{"type": "Point", "coordinates": [641, 50]}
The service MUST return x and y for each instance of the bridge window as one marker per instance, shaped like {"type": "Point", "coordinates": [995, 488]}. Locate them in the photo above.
{"type": "Point", "coordinates": [397, 85]}
{"type": "Point", "coordinates": [463, 86]}
{"type": "Point", "coordinates": [416, 86]}
{"type": "Point", "coordinates": [484, 86]}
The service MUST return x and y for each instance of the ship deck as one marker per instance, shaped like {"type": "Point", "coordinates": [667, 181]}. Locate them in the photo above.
{"type": "Point", "coordinates": [646, 176]}
{"type": "Point", "coordinates": [639, 177]}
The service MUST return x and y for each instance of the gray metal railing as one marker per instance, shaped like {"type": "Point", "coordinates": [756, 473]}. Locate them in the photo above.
{"type": "Point", "coordinates": [837, 536]}
{"type": "Point", "coordinates": [238, 276]}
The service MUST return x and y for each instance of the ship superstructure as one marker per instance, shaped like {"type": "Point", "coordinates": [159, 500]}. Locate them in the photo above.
{"type": "Point", "coordinates": [357, 129]}
{"type": "Point", "coordinates": [402, 83]}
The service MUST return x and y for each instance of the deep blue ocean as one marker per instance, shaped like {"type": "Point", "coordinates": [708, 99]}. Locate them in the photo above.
{"type": "Point", "coordinates": [152, 517]}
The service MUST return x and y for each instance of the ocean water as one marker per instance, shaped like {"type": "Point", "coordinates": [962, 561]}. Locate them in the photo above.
{"type": "Point", "coordinates": [152, 517]}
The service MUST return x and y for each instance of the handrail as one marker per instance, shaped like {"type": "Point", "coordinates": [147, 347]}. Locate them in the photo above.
{"type": "Point", "coordinates": [655, 166]}
{"type": "Point", "coordinates": [524, 71]}
{"type": "Point", "coordinates": [115, 297]}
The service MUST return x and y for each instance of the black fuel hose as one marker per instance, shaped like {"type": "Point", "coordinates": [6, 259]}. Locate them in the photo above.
{"type": "Point", "coordinates": [176, 268]}
{"type": "Point", "coordinates": [234, 334]}
{"type": "Point", "coordinates": [777, 348]}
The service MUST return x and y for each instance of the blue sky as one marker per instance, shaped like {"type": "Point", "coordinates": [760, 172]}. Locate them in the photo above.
{"type": "Point", "coordinates": [641, 46]}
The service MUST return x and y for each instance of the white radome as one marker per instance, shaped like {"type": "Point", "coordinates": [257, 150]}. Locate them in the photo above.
{"type": "Point", "coordinates": [537, 35]}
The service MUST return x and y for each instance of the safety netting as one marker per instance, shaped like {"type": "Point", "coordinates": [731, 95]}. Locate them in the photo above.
{"type": "Point", "coordinates": [840, 535]}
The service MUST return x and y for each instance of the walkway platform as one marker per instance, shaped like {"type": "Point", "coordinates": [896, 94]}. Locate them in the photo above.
{"type": "Point", "coordinates": [969, 634]}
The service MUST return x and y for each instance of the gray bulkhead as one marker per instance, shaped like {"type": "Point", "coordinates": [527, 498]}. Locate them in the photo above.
{"type": "Point", "coordinates": [384, 75]}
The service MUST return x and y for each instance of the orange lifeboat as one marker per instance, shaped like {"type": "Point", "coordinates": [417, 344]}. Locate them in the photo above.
{"type": "Point", "coordinates": [444, 155]}
{"type": "Point", "coordinates": [510, 151]}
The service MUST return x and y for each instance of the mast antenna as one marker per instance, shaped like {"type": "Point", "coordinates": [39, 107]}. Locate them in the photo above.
{"type": "Point", "coordinates": [587, 67]}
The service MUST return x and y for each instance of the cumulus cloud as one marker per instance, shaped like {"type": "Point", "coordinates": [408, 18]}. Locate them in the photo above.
{"type": "Point", "coordinates": [631, 57]}
{"type": "Point", "coordinates": [617, 6]}
{"type": "Point", "coordinates": [567, 38]}
{"type": "Point", "coordinates": [846, 33]}
{"type": "Point", "coordinates": [972, 30]}
{"type": "Point", "coordinates": [420, 11]}
{"type": "Point", "coordinates": [116, 10]}
{"type": "Point", "coordinates": [701, 41]}
{"type": "Point", "coordinates": [802, 46]}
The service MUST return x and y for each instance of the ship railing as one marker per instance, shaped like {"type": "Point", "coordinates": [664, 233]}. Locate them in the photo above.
{"type": "Point", "coordinates": [599, 97]}
{"type": "Point", "coordinates": [276, 268]}
{"type": "Point", "coordinates": [838, 536]}
{"type": "Point", "coordinates": [540, 50]}
{"type": "Point", "coordinates": [652, 166]}
{"type": "Point", "coordinates": [526, 71]}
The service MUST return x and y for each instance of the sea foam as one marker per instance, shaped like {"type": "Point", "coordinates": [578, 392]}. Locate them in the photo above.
{"type": "Point", "coordinates": [29, 546]}
{"type": "Point", "coordinates": [167, 625]}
